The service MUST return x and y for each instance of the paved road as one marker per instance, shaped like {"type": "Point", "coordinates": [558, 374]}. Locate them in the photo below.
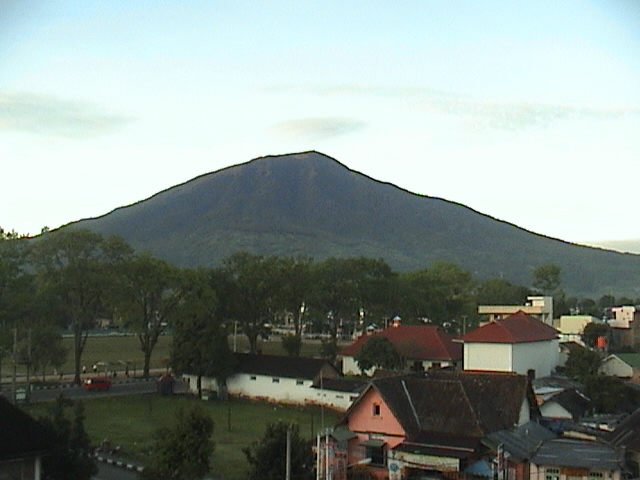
{"type": "Point", "coordinates": [136, 387]}
{"type": "Point", "coordinates": [111, 472]}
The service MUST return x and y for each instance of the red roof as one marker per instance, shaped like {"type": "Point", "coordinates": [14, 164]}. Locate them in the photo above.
{"type": "Point", "coordinates": [516, 328]}
{"type": "Point", "coordinates": [416, 342]}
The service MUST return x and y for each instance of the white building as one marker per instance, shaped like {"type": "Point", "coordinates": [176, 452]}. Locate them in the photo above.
{"type": "Point", "coordinates": [519, 343]}
{"type": "Point", "coordinates": [571, 327]}
{"type": "Point", "coordinates": [281, 379]}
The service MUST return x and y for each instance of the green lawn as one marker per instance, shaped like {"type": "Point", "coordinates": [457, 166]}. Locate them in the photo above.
{"type": "Point", "coordinates": [118, 349]}
{"type": "Point", "coordinates": [131, 421]}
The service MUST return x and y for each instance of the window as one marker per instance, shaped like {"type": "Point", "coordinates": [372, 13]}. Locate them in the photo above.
{"type": "Point", "coordinates": [253, 377]}
{"type": "Point", "coordinates": [596, 475]}
{"type": "Point", "coordinates": [275, 380]}
{"type": "Point", "coordinates": [339, 396]}
{"type": "Point", "coordinates": [299, 382]}
{"type": "Point", "coordinates": [552, 474]}
{"type": "Point", "coordinates": [376, 410]}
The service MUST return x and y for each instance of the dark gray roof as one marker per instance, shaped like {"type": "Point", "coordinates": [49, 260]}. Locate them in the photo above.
{"type": "Point", "coordinates": [564, 452]}
{"type": "Point", "coordinates": [573, 402]}
{"type": "Point", "coordinates": [522, 442]}
{"type": "Point", "coordinates": [341, 385]}
{"type": "Point", "coordinates": [470, 404]}
{"type": "Point", "coordinates": [20, 434]}
{"type": "Point", "coordinates": [627, 433]}
{"type": "Point", "coordinates": [281, 366]}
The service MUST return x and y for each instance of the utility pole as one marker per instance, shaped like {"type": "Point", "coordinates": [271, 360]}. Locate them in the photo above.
{"type": "Point", "coordinates": [288, 455]}
{"type": "Point", "coordinates": [15, 367]}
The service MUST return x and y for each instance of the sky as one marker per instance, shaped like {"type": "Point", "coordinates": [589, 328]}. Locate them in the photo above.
{"type": "Point", "coordinates": [525, 111]}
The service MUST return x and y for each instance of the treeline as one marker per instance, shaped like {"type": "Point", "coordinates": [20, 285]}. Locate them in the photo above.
{"type": "Point", "coordinates": [68, 279]}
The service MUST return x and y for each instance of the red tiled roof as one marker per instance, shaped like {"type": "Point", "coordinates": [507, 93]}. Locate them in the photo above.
{"type": "Point", "coordinates": [416, 342]}
{"type": "Point", "coordinates": [516, 328]}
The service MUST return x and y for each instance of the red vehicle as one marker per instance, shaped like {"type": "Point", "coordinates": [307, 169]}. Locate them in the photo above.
{"type": "Point", "coordinates": [97, 383]}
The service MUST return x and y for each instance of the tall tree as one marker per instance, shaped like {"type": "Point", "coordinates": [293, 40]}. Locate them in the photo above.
{"type": "Point", "coordinates": [295, 286]}
{"type": "Point", "coordinates": [347, 288]}
{"type": "Point", "coordinates": [249, 292]}
{"type": "Point", "coordinates": [147, 296]}
{"type": "Point", "coordinates": [75, 265]}
{"type": "Point", "coordinates": [267, 456]}
{"type": "Point", "coordinates": [182, 451]}
{"type": "Point", "coordinates": [200, 345]}
{"type": "Point", "coordinates": [440, 294]}
{"type": "Point", "coordinates": [546, 279]}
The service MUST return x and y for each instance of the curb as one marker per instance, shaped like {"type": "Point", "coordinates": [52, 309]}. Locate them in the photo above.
{"type": "Point", "coordinates": [119, 463]}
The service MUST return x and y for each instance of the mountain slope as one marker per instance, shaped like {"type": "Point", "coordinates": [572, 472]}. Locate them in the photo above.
{"type": "Point", "coordinates": [310, 204]}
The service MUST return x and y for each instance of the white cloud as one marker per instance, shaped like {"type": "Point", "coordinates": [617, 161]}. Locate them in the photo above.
{"type": "Point", "coordinates": [318, 128]}
{"type": "Point", "coordinates": [48, 115]}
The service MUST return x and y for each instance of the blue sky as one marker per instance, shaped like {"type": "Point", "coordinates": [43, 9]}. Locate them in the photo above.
{"type": "Point", "coordinates": [526, 111]}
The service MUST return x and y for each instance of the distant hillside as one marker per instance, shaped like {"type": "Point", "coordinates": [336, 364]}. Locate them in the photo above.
{"type": "Point", "coordinates": [310, 204]}
{"type": "Point", "coordinates": [627, 246]}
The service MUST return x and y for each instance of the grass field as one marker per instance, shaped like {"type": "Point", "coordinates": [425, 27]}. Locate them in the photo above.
{"type": "Point", "coordinates": [131, 422]}
{"type": "Point", "coordinates": [117, 349]}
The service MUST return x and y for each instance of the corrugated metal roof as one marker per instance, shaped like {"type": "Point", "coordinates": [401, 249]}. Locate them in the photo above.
{"type": "Point", "coordinates": [564, 452]}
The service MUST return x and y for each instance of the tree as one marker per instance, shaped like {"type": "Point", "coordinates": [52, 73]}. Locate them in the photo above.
{"type": "Point", "coordinates": [594, 330]}
{"type": "Point", "coordinates": [75, 267]}
{"type": "Point", "coordinates": [182, 451]}
{"type": "Point", "coordinates": [582, 362]}
{"type": "Point", "coordinates": [378, 351]}
{"type": "Point", "coordinates": [441, 294]}
{"type": "Point", "coordinates": [71, 460]}
{"type": "Point", "coordinates": [267, 456]}
{"type": "Point", "coordinates": [497, 291]}
{"type": "Point", "coordinates": [200, 345]}
{"type": "Point", "coordinates": [292, 344]}
{"type": "Point", "coordinates": [249, 292]}
{"type": "Point", "coordinates": [345, 289]}
{"type": "Point", "coordinates": [546, 279]}
{"type": "Point", "coordinates": [610, 394]}
{"type": "Point", "coordinates": [47, 349]}
{"type": "Point", "coordinates": [147, 294]}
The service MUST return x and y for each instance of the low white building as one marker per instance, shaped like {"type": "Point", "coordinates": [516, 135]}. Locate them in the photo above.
{"type": "Point", "coordinates": [518, 343]}
{"type": "Point", "coordinates": [281, 379]}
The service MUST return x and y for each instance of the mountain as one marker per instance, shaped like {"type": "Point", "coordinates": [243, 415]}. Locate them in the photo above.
{"type": "Point", "coordinates": [310, 204]}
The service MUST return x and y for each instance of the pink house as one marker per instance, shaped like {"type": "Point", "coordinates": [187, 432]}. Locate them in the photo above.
{"type": "Point", "coordinates": [430, 423]}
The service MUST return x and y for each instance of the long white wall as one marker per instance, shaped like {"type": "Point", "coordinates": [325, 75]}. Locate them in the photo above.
{"type": "Point", "coordinates": [276, 389]}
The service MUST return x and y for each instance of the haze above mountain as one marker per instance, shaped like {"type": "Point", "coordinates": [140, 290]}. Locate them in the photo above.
{"type": "Point", "coordinates": [310, 204]}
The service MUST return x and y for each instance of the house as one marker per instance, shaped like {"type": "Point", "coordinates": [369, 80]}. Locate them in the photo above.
{"type": "Point", "coordinates": [272, 378]}
{"type": "Point", "coordinates": [518, 343]}
{"type": "Point", "coordinates": [536, 306]}
{"type": "Point", "coordinates": [567, 405]}
{"type": "Point", "coordinates": [622, 365]}
{"type": "Point", "coordinates": [625, 326]}
{"type": "Point", "coordinates": [422, 346]}
{"type": "Point", "coordinates": [23, 443]}
{"type": "Point", "coordinates": [571, 459]}
{"type": "Point", "coordinates": [511, 450]}
{"type": "Point", "coordinates": [627, 435]}
{"type": "Point", "coordinates": [428, 423]}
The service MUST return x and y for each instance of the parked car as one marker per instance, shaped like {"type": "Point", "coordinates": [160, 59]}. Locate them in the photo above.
{"type": "Point", "coordinates": [97, 383]}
